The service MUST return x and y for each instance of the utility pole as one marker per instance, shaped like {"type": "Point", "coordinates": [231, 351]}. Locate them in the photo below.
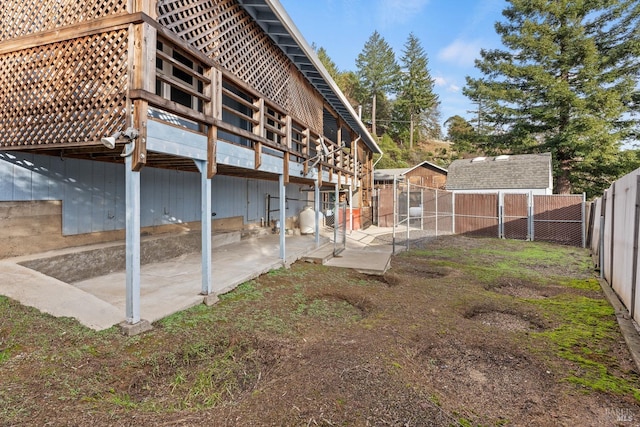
{"type": "Point", "coordinates": [411, 133]}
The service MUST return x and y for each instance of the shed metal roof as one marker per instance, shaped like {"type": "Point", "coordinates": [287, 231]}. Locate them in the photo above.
{"type": "Point", "coordinates": [276, 23]}
{"type": "Point", "coordinates": [524, 171]}
{"type": "Point", "coordinates": [387, 174]}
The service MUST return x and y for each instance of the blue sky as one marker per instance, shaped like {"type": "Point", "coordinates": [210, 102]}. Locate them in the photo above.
{"type": "Point", "coordinates": [452, 32]}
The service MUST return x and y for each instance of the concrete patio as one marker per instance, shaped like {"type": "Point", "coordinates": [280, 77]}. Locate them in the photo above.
{"type": "Point", "coordinates": [173, 285]}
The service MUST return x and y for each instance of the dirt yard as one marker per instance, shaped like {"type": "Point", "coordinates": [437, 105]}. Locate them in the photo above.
{"type": "Point", "coordinates": [462, 332]}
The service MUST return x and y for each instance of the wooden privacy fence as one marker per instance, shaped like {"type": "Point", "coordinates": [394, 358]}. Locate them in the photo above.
{"type": "Point", "coordinates": [614, 237]}
{"type": "Point", "coordinates": [550, 218]}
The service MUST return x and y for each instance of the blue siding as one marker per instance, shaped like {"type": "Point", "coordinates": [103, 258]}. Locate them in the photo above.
{"type": "Point", "coordinates": [93, 193]}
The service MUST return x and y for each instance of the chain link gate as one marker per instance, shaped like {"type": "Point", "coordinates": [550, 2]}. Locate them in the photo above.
{"type": "Point", "coordinates": [336, 216]}
{"type": "Point", "coordinates": [340, 228]}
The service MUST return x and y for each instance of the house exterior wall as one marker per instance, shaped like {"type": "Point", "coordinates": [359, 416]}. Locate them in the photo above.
{"type": "Point", "coordinates": [93, 193]}
{"type": "Point", "coordinates": [102, 66]}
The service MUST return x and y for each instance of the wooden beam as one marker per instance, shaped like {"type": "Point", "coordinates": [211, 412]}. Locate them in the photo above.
{"type": "Point", "coordinates": [146, 6]}
{"type": "Point", "coordinates": [288, 129]}
{"type": "Point", "coordinates": [257, 146]}
{"type": "Point", "coordinates": [212, 144]}
{"type": "Point", "coordinates": [143, 68]}
{"type": "Point", "coordinates": [216, 94]}
{"type": "Point", "coordinates": [259, 128]}
{"type": "Point", "coordinates": [140, 114]}
{"type": "Point", "coordinates": [83, 29]}
{"type": "Point", "coordinates": [285, 167]}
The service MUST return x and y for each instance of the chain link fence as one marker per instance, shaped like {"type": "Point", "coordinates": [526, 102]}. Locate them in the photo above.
{"type": "Point", "coordinates": [417, 213]}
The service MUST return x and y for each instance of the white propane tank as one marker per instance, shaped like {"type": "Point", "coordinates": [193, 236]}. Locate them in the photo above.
{"type": "Point", "coordinates": [415, 212]}
{"type": "Point", "coordinates": [307, 220]}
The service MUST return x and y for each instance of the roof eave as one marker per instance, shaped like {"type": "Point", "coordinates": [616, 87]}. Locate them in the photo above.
{"type": "Point", "coordinates": [299, 52]}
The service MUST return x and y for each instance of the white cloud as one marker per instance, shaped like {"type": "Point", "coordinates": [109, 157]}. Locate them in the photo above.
{"type": "Point", "coordinates": [461, 53]}
{"type": "Point", "coordinates": [395, 12]}
{"type": "Point", "coordinates": [447, 84]}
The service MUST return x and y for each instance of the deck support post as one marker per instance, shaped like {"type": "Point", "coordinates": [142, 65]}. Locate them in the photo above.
{"type": "Point", "coordinates": [205, 217]}
{"type": "Point", "coordinates": [283, 216]}
{"type": "Point", "coordinates": [316, 208]}
{"type": "Point", "coordinates": [132, 181]}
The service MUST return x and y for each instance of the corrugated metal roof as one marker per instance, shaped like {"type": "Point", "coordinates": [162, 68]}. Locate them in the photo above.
{"type": "Point", "coordinates": [524, 171]}
{"type": "Point", "coordinates": [387, 174]}
{"type": "Point", "coordinates": [276, 23]}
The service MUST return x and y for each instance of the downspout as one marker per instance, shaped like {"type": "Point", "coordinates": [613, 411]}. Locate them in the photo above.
{"type": "Point", "coordinates": [355, 178]}
{"type": "Point", "coordinates": [373, 168]}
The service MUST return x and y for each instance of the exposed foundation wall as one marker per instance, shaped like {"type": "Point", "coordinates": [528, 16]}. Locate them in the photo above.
{"type": "Point", "coordinates": [36, 226]}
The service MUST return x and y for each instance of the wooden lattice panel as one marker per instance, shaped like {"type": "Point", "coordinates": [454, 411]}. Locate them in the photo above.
{"type": "Point", "coordinates": [22, 17]}
{"type": "Point", "coordinates": [225, 32]}
{"type": "Point", "coordinates": [67, 92]}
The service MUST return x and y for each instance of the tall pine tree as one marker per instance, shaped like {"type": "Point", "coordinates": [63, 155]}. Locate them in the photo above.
{"type": "Point", "coordinates": [416, 103]}
{"type": "Point", "coordinates": [377, 71]}
{"type": "Point", "coordinates": [565, 83]}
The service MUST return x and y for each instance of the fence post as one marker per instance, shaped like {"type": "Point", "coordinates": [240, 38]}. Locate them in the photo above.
{"type": "Point", "coordinates": [453, 213]}
{"type": "Point", "coordinates": [533, 217]}
{"type": "Point", "coordinates": [530, 216]}
{"type": "Point", "coordinates": [437, 213]}
{"type": "Point", "coordinates": [421, 208]}
{"type": "Point", "coordinates": [613, 223]}
{"type": "Point", "coordinates": [500, 215]}
{"type": "Point", "coordinates": [395, 211]}
{"type": "Point", "coordinates": [634, 263]}
{"type": "Point", "coordinates": [584, 226]}
{"type": "Point", "coordinates": [603, 221]}
{"type": "Point", "coordinates": [408, 210]}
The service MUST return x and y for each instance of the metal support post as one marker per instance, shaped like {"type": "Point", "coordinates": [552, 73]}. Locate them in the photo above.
{"type": "Point", "coordinates": [205, 218]}
{"type": "Point", "coordinates": [584, 220]}
{"type": "Point", "coordinates": [132, 181]}
{"type": "Point", "coordinates": [421, 208]}
{"type": "Point", "coordinates": [316, 207]}
{"type": "Point", "coordinates": [395, 211]}
{"type": "Point", "coordinates": [283, 215]}
{"type": "Point", "coordinates": [336, 216]}
{"type": "Point", "coordinates": [408, 211]}
{"type": "Point", "coordinates": [500, 215]}
{"type": "Point", "coordinates": [437, 213]}
{"type": "Point", "coordinates": [350, 208]}
{"type": "Point", "coordinates": [453, 213]}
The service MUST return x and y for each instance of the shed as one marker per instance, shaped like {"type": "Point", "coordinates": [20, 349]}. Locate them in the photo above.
{"type": "Point", "coordinates": [425, 174]}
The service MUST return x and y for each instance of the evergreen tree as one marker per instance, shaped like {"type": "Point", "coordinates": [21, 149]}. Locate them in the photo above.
{"type": "Point", "coordinates": [328, 63]}
{"type": "Point", "coordinates": [347, 81]}
{"type": "Point", "coordinates": [377, 71]}
{"type": "Point", "coordinates": [417, 104]}
{"type": "Point", "coordinates": [461, 134]}
{"type": "Point", "coordinates": [565, 83]}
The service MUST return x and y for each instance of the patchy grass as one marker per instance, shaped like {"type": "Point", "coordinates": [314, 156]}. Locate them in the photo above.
{"type": "Point", "coordinates": [586, 330]}
{"type": "Point", "coordinates": [459, 332]}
